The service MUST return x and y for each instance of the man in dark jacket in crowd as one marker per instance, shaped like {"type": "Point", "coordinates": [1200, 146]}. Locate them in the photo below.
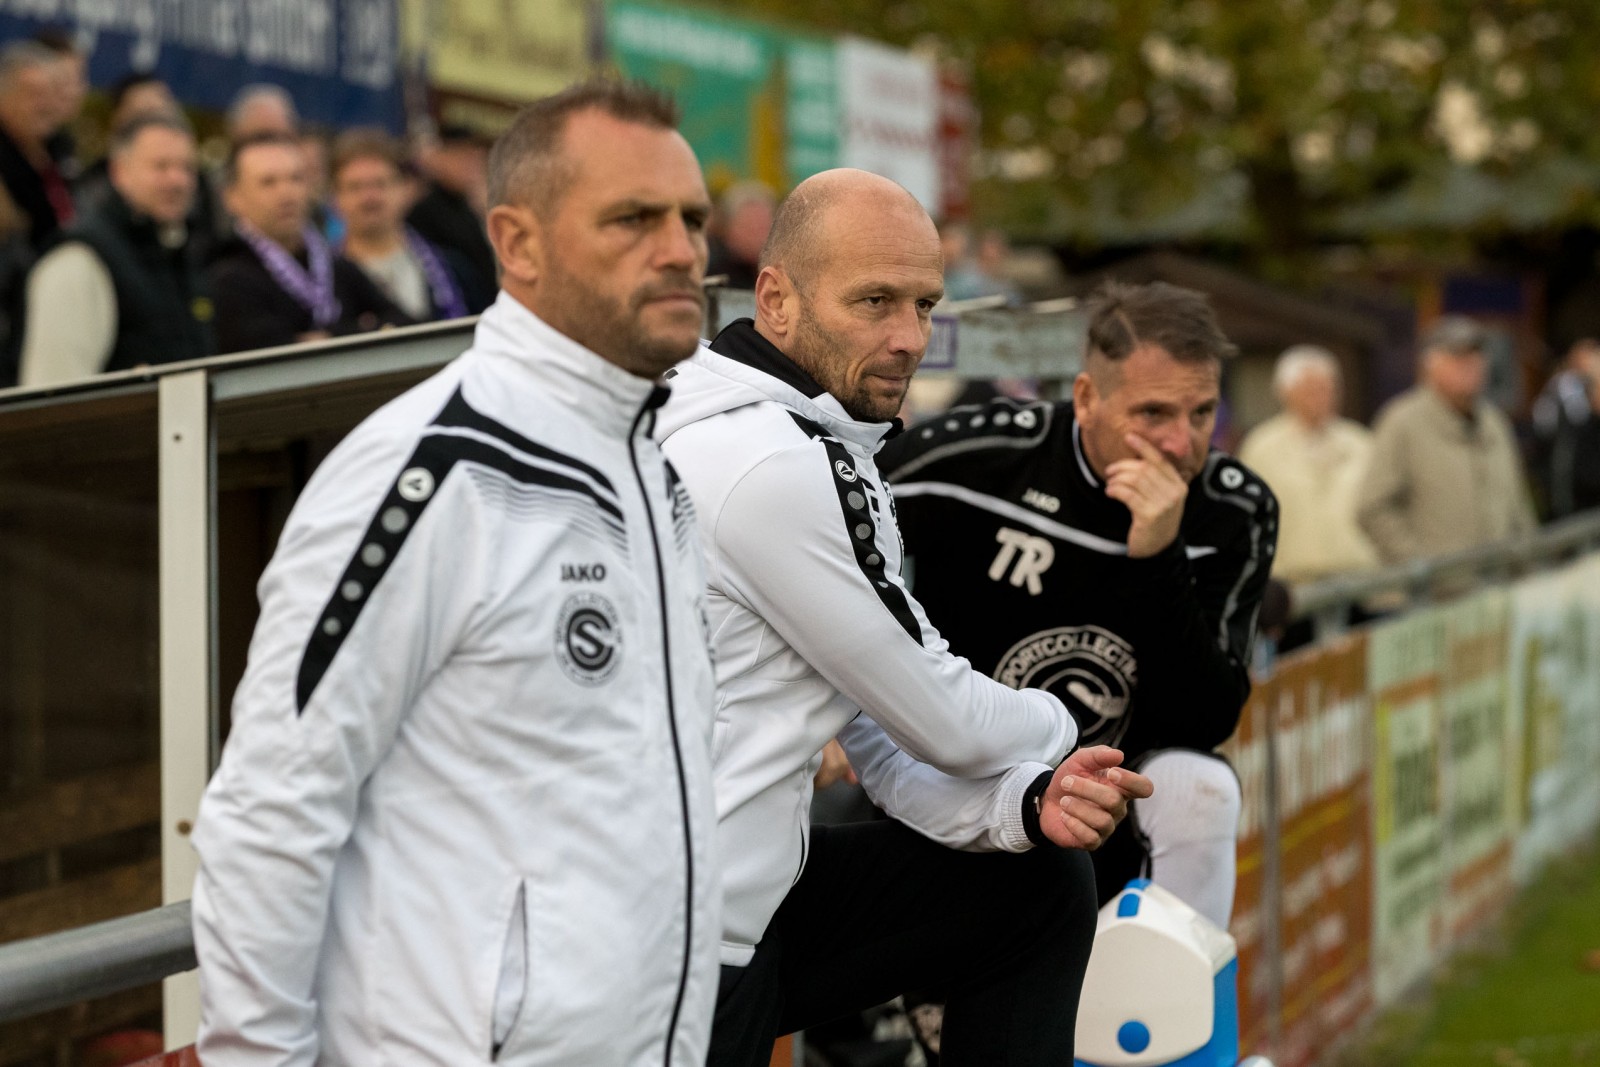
{"type": "Point", "coordinates": [278, 281]}
{"type": "Point", "coordinates": [450, 213]}
{"type": "Point", "coordinates": [1566, 433]}
{"type": "Point", "coordinates": [124, 287]}
{"type": "Point", "coordinates": [369, 191]}
{"type": "Point", "coordinates": [30, 114]}
{"type": "Point", "coordinates": [35, 200]}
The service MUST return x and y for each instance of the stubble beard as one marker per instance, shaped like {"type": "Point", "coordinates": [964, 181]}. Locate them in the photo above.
{"type": "Point", "coordinates": [820, 353]}
{"type": "Point", "coordinates": [614, 329]}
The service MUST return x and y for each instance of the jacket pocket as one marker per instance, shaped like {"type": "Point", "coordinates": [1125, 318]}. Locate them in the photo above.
{"type": "Point", "coordinates": [511, 988]}
{"type": "Point", "coordinates": [719, 738]}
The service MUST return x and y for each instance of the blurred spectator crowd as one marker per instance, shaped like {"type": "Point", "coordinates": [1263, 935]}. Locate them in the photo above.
{"type": "Point", "coordinates": [147, 253]}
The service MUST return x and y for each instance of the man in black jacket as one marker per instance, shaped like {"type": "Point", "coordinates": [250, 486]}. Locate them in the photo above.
{"type": "Point", "coordinates": [1099, 549]}
{"type": "Point", "coordinates": [123, 286]}
{"type": "Point", "coordinates": [35, 200]}
{"type": "Point", "coordinates": [278, 281]}
{"type": "Point", "coordinates": [449, 214]}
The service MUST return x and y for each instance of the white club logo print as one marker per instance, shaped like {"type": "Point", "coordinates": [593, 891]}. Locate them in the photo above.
{"type": "Point", "coordinates": [1091, 665]}
{"type": "Point", "coordinates": [845, 472]}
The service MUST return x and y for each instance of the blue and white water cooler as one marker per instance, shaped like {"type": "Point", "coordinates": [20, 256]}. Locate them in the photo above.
{"type": "Point", "coordinates": [1162, 986]}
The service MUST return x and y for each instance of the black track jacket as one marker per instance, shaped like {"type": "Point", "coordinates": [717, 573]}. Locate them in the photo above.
{"type": "Point", "coordinates": [1020, 560]}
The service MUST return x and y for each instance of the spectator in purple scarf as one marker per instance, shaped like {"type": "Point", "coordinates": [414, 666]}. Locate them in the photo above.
{"type": "Point", "coordinates": [370, 194]}
{"type": "Point", "coordinates": [278, 281]}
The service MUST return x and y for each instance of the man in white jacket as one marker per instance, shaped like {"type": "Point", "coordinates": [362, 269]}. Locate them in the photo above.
{"type": "Point", "coordinates": [465, 814]}
{"type": "Point", "coordinates": [773, 429]}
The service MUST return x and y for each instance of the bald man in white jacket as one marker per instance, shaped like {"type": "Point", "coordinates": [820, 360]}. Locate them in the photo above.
{"type": "Point", "coordinates": [966, 889]}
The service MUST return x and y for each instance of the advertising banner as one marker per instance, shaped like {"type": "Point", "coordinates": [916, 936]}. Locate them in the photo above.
{"type": "Point", "coordinates": [1403, 662]}
{"type": "Point", "coordinates": [483, 53]}
{"type": "Point", "coordinates": [958, 142]}
{"type": "Point", "coordinates": [758, 101]}
{"type": "Point", "coordinates": [1552, 713]}
{"type": "Point", "coordinates": [1322, 739]}
{"type": "Point", "coordinates": [1252, 925]}
{"type": "Point", "coordinates": [813, 115]}
{"type": "Point", "coordinates": [338, 58]}
{"type": "Point", "coordinates": [889, 102]}
{"type": "Point", "coordinates": [1477, 825]}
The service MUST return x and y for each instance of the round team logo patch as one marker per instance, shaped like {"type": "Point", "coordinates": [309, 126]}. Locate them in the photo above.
{"type": "Point", "coordinates": [1092, 669]}
{"type": "Point", "coordinates": [588, 639]}
{"type": "Point", "coordinates": [416, 484]}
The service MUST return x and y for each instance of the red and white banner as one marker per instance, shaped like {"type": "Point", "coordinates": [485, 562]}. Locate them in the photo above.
{"type": "Point", "coordinates": [889, 111]}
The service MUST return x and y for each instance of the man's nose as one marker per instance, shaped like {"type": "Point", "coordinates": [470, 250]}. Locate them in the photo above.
{"type": "Point", "coordinates": [677, 247]}
{"type": "Point", "coordinates": [908, 332]}
{"type": "Point", "coordinates": [1176, 441]}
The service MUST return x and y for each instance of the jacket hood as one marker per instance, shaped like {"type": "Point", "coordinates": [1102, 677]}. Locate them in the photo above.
{"type": "Point", "coordinates": [754, 372]}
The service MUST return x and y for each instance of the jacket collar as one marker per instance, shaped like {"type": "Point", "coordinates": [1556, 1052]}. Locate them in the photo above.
{"type": "Point", "coordinates": [606, 394]}
{"type": "Point", "coordinates": [755, 361]}
{"type": "Point", "coordinates": [141, 227]}
{"type": "Point", "coordinates": [1080, 458]}
{"type": "Point", "coordinates": [741, 342]}
{"type": "Point", "coordinates": [1451, 421]}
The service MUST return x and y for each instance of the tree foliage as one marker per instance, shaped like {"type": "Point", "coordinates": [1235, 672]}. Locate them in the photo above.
{"type": "Point", "coordinates": [1140, 111]}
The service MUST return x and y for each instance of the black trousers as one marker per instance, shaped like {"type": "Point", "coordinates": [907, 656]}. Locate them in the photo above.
{"type": "Point", "coordinates": [881, 910]}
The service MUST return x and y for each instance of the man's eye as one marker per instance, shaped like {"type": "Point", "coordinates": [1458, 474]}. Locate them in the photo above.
{"type": "Point", "coordinates": [877, 301]}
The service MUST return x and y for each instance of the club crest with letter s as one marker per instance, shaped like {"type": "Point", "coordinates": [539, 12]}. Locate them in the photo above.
{"type": "Point", "coordinates": [588, 638]}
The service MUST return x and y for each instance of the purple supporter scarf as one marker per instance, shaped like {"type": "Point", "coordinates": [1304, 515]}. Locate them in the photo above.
{"type": "Point", "coordinates": [313, 289]}
{"type": "Point", "coordinates": [447, 298]}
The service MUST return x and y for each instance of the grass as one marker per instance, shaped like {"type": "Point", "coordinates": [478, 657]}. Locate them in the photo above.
{"type": "Point", "coordinates": [1529, 998]}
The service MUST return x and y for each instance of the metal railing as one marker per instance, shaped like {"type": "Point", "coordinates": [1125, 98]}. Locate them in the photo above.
{"type": "Point", "coordinates": [56, 970]}
{"type": "Point", "coordinates": [53, 971]}
{"type": "Point", "coordinates": [1328, 602]}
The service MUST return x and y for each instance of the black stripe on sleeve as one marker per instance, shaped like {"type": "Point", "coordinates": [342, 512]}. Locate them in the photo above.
{"type": "Point", "coordinates": [417, 485]}
{"type": "Point", "coordinates": [458, 413]}
{"type": "Point", "coordinates": [860, 526]}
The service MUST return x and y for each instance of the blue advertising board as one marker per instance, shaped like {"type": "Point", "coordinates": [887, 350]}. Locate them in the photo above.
{"type": "Point", "coordinates": [340, 59]}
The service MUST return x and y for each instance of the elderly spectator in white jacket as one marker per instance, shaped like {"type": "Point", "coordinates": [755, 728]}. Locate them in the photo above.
{"type": "Point", "coordinates": [1314, 461]}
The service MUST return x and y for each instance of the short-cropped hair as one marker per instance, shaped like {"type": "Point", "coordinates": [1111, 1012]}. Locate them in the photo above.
{"type": "Point", "coordinates": [243, 145]}
{"type": "Point", "coordinates": [1124, 317]}
{"type": "Point", "coordinates": [366, 143]}
{"type": "Point", "coordinates": [123, 137]}
{"type": "Point", "coordinates": [524, 164]}
{"type": "Point", "coordinates": [18, 56]}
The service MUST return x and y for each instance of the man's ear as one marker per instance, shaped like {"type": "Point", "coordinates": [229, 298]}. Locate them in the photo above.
{"type": "Point", "coordinates": [518, 239]}
{"type": "Point", "coordinates": [1084, 395]}
{"type": "Point", "coordinates": [777, 302]}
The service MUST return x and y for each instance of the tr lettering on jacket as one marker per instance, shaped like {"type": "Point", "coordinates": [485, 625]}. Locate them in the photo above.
{"type": "Point", "coordinates": [1025, 556]}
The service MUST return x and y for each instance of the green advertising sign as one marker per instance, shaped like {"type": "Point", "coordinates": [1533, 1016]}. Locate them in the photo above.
{"type": "Point", "coordinates": [757, 102]}
{"type": "Point", "coordinates": [813, 107]}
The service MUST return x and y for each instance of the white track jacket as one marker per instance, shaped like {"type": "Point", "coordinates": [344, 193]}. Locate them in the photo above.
{"type": "Point", "coordinates": [811, 623]}
{"type": "Point", "coordinates": [465, 814]}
